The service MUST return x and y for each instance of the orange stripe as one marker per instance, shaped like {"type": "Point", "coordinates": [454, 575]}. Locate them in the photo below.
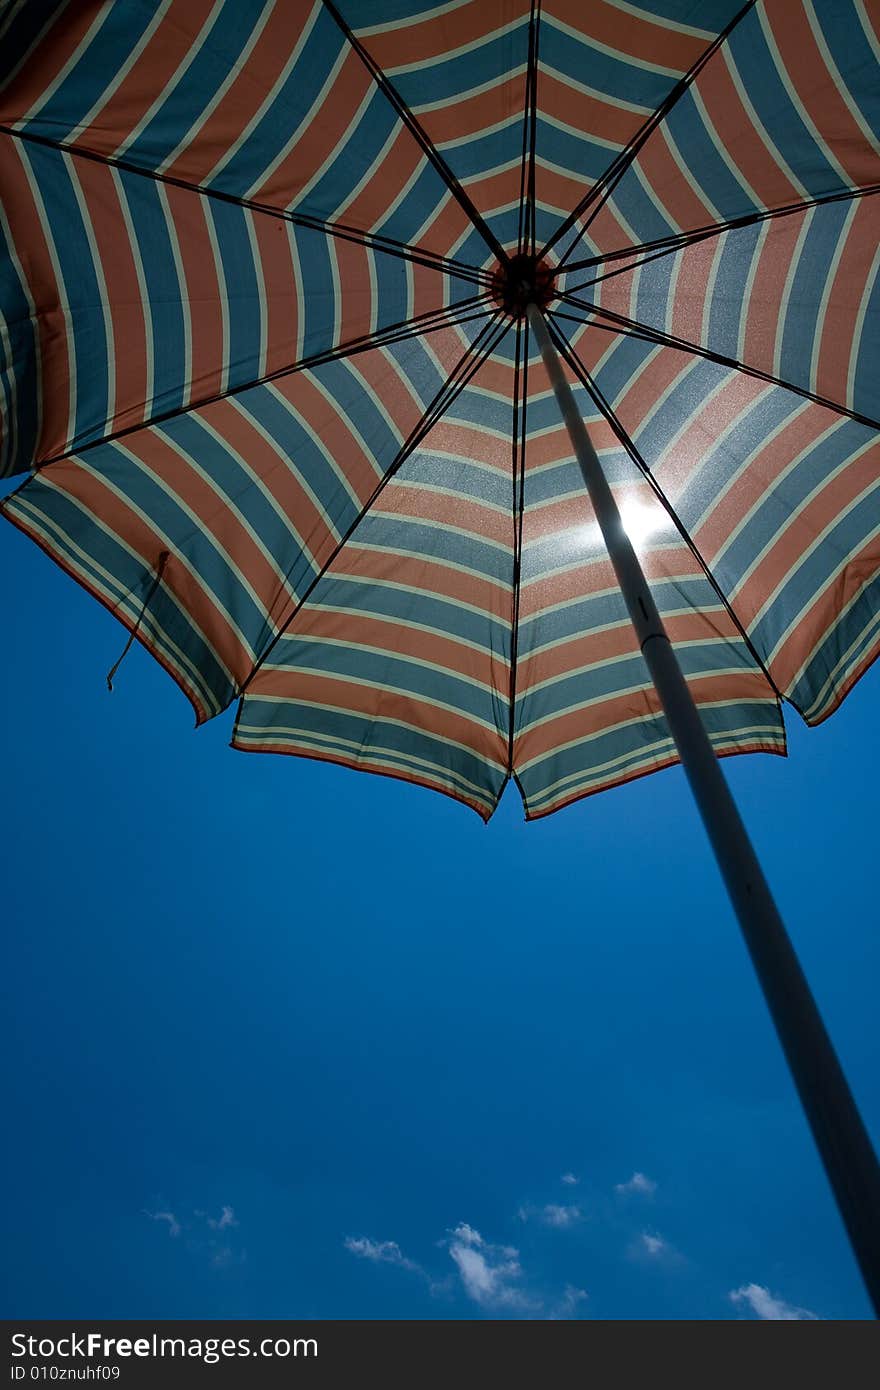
{"type": "Point", "coordinates": [839, 328]}
{"type": "Point", "coordinates": [819, 620]}
{"type": "Point", "coordinates": [758, 480]}
{"type": "Point", "coordinates": [583, 721]}
{"type": "Point", "coordinates": [636, 37]}
{"type": "Point", "coordinates": [148, 541]}
{"type": "Point", "coordinates": [152, 72]}
{"type": "Point", "coordinates": [327, 421]}
{"type": "Point", "coordinates": [722, 750]}
{"type": "Point", "coordinates": [46, 61]}
{"type": "Point", "coordinates": [743, 143]}
{"type": "Point", "coordinates": [280, 303]}
{"type": "Point", "coordinates": [204, 292]}
{"type": "Point", "coordinates": [354, 302]}
{"type": "Point", "coordinates": [818, 92]}
{"type": "Point", "coordinates": [615, 644]}
{"type": "Point", "coordinates": [433, 38]}
{"type": "Point", "coordinates": [375, 703]}
{"type": "Point", "coordinates": [128, 350]}
{"type": "Point", "coordinates": [322, 137]}
{"type": "Point", "coordinates": [369, 209]}
{"type": "Point", "coordinates": [397, 640]}
{"type": "Point", "coordinates": [243, 99]}
{"type": "Point", "coordinates": [421, 504]}
{"type": "Point", "coordinates": [783, 556]}
{"type": "Point", "coordinates": [764, 319]}
{"type": "Point", "coordinates": [432, 576]}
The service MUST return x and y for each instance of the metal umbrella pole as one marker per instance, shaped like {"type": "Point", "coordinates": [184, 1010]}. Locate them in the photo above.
{"type": "Point", "coordinates": [837, 1126]}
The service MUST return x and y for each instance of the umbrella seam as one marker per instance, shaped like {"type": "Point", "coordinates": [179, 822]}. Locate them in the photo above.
{"type": "Point", "coordinates": [474, 356]}
{"type": "Point", "coordinates": [427, 146]}
{"type": "Point", "coordinates": [372, 241]}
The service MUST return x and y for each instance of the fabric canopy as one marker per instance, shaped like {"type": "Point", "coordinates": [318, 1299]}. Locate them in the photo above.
{"type": "Point", "coordinates": [281, 422]}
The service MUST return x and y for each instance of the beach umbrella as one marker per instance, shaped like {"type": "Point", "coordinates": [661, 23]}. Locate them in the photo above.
{"type": "Point", "coordinates": [472, 391]}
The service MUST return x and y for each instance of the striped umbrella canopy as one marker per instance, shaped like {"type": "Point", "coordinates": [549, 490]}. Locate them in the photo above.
{"type": "Point", "coordinates": [279, 288]}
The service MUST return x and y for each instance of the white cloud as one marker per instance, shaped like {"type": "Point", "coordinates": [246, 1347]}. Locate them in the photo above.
{"type": "Point", "coordinates": [553, 1214]}
{"type": "Point", "coordinates": [386, 1252]}
{"type": "Point", "coordinates": [226, 1218]}
{"type": "Point", "coordinates": [467, 1234]}
{"type": "Point", "coordinates": [645, 1186]}
{"type": "Point", "coordinates": [765, 1305]}
{"type": "Point", "coordinates": [173, 1223]}
{"type": "Point", "coordinates": [653, 1245]}
{"type": "Point", "coordinates": [568, 1305]}
{"type": "Point", "coordinates": [489, 1273]}
{"type": "Point", "coordinates": [569, 1179]}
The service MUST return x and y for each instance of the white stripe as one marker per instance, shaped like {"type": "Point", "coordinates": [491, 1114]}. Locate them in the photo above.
{"type": "Point", "coordinates": [266, 104]}
{"type": "Point", "coordinates": [424, 16]}
{"type": "Point", "coordinates": [762, 131]}
{"type": "Point", "coordinates": [868, 134]}
{"type": "Point", "coordinates": [829, 275]}
{"type": "Point", "coordinates": [309, 118]}
{"type": "Point", "coordinates": [182, 295]}
{"type": "Point", "coordinates": [814, 545]}
{"type": "Point", "coordinates": [649, 717]}
{"type": "Point", "coordinates": [664, 21]}
{"type": "Point", "coordinates": [192, 53]}
{"type": "Point", "coordinates": [870, 283]}
{"type": "Point", "coordinates": [149, 346]}
{"type": "Point", "coordinates": [120, 75]}
{"type": "Point", "coordinates": [48, 92]}
{"type": "Point", "coordinates": [796, 102]}
{"type": "Point", "coordinates": [191, 135]}
{"type": "Point", "coordinates": [830, 686]}
{"type": "Point", "coordinates": [780, 319]}
{"type": "Point", "coordinates": [63, 305]}
{"type": "Point", "coordinates": [866, 24]}
{"type": "Point", "coordinates": [449, 55]}
{"type": "Point", "coordinates": [620, 54]}
{"type": "Point", "coordinates": [363, 683]}
{"type": "Point", "coordinates": [746, 303]}
{"type": "Point", "coordinates": [492, 84]}
{"type": "Point", "coordinates": [107, 361]}
{"type": "Point", "coordinates": [726, 739]}
{"type": "Point", "coordinates": [792, 515]}
{"type": "Point", "coordinates": [262, 304]}
{"type": "Point", "coordinates": [395, 756]}
{"type": "Point", "coordinates": [222, 294]}
{"type": "Point", "coordinates": [616, 103]}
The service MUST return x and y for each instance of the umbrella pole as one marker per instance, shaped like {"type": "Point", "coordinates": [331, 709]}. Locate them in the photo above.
{"type": "Point", "coordinates": [837, 1126]}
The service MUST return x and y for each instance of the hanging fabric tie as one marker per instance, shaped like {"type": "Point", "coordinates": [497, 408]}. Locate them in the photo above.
{"type": "Point", "coordinates": [157, 580]}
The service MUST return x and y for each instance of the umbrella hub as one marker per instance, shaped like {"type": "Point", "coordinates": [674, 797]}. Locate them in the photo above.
{"type": "Point", "coordinates": [522, 281]}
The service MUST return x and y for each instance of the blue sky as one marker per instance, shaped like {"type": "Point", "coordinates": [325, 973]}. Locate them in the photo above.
{"type": "Point", "coordinates": [292, 1041]}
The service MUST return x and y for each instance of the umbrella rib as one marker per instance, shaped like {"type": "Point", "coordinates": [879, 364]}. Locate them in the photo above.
{"type": "Point", "coordinates": [618, 323]}
{"type": "Point", "coordinates": [428, 148]}
{"type": "Point", "coordinates": [467, 311]}
{"type": "Point", "coordinates": [664, 246]}
{"type": "Point", "coordinates": [607, 411]}
{"type": "Point", "coordinates": [518, 452]}
{"type": "Point", "coordinates": [341, 231]}
{"type": "Point", "coordinates": [605, 185]}
{"type": "Point", "coordinates": [476, 353]}
{"type": "Point", "coordinates": [526, 239]}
